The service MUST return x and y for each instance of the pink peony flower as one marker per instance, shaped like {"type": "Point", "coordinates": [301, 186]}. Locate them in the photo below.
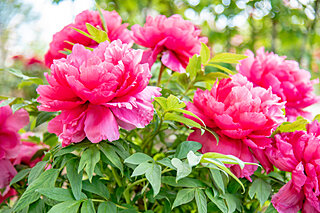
{"type": "Point", "coordinates": [28, 150]}
{"type": "Point", "coordinates": [97, 92]}
{"type": "Point", "coordinates": [299, 153]}
{"type": "Point", "coordinates": [243, 115]}
{"type": "Point", "coordinates": [175, 38]}
{"type": "Point", "coordinates": [10, 123]}
{"type": "Point", "coordinates": [116, 30]}
{"type": "Point", "coordinates": [286, 79]}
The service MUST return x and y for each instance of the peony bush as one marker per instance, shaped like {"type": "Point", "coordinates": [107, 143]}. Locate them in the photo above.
{"type": "Point", "coordinates": [148, 119]}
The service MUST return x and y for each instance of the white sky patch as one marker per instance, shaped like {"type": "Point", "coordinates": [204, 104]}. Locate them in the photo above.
{"type": "Point", "coordinates": [52, 18]}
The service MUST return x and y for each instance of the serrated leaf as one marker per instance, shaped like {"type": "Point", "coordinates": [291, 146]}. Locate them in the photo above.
{"type": "Point", "coordinates": [204, 53]}
{"type": "Point", "coordinates": [261, 189]}
{"type": "Point", "coordinates": [107, 207]}
{"type": "Point", "coordinates": [153, 175]}
{"type": "Point", "coordinates": [141, 169]}
{"type": "Point", "coordinates": [74, 178]}
{"type": "Point", "coordinates": [230, 58]}
{"type": "Point", "coordinates": [185, 147]}
{"type": "Point", "coordinates": [90, 157]}
{"type": "Point", "coordinates": [22, 174]}
{"type": "Point", "coordinates": [111, 154]}
{"type": "Point", "coordinates": [183, 168]}
{"type": "Point", "coordinates": [138, 158]}
{"type": "Point", "coordinates": [58, 194]}
{"type": "Point", "coordinates": [201, 200]}
{"type": "Point", "coordinates": [194, 66]}
{"type": "Point", "coordinates": [66, 207]}
{"type": "Point", "coordinates": [88, 207]}
{"type": "Point", "coordinates": [46, 180]}
{"type": "Point", "coordinates": [232, 201]}
{"type": "Point", "coordinates": [184, 196]}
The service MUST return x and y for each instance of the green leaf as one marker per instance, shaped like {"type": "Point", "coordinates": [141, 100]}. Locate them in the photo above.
{"type": "Point", "coordinates": [189, 113]}
{"type": "Point", "coordinates": [66, 207]}
{"type": "Point", "coordinates": [271, 209]}
{"type": "Point", "coordinates": [217, 178]}
{"type": "Point", "coordinates": [58, 194]}
{"type": "Point", "coordinates": [230, 58]}
{"type": "Point", "coordinates": [183, 168]}
{"type": "Point", "coordinates": [36, 171]}
{"type": "Point", "coordinates": [111, 154]}
{"type": "Point", "coordinates": [153, 175]}
{"type": "Point", "coordinates": [194, 66]}
{"type": "Point", "coordinates": [204, 53]}
{"type": "Point", "coordinates": [221, 166]}
{"type": "Point", "coordinates": [44, 116]}
{"type": "Point", "coordinates": [174, 103]}
{"type": "Point", "coordinates": [90, 157]}
{"type": "Point", "coordinates": [22, 174]}
{"type": "Point", "coordinates": [46, 180]}
{"type": "Point", "coordinates": [37, 207]}
{"type": "Point", "coordinates": [141, 169]}
{"type": "Point", "coordinates": [102, 18]}
{"type": "Point", "coordinates": [261, 189]}
{"type": "Point", "coordinates": [16, 107]}
{"type": "Point", "coordinates": [217, 201]}
{"type": "Point", "coordinates": [317, 117]}
{"type": "Point", "coordinates": [211, 77]}
{"type": "Point", "coordinates": [19, 74]}
{"type": "Point", "coordinates": [107, 207]}
{"type": "Point", "coordinates": [299, 124]}
{"type": "Point", "coordinates": [232, 201]}
{"type": "Point", "coordinates": [185, 147]}
{"type": "Point", "coordinates": [221, 68]}
{"type": "Point", "coordinates": [138, 158]}
{"type": "Point", "coordinates": [178, 118]}
{"type": "Point", "coordinates": [193, 159]}
{"type": "Point", "coordinates": [97, 34]}
{"type": "Point", "coordinates": [7, 102]}
{"type": "Point", "coordinates": [96, 187]}
{"type": "Point", "coordinates": [184, 196]}
{"type": "Point", "coordinates": [162, 102]}
{"type": "Point", "coordinates": [74, 178]}
{"type": "Point", "coordinates": [201, 200]}
{"type": "Point", "coordinates": [184, 182]}
{"type": "Point", "coordinates": [88, 207]}
{"type": "Point", "coordinates": [166, 162]}
{"type": "Point", "coordinates": [226, 159]}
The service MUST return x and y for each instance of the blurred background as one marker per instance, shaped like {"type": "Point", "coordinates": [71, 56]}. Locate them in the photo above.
{"type": "Point", "coordinates": [287, 27]}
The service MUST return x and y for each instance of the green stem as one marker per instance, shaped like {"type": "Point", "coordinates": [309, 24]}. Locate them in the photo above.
{"type": "Point", "coordinates": [116, 176]}
{"type": "Point", "coordinates": [101, 201]}
{"type": "Point", "coordinates": [160, 74]}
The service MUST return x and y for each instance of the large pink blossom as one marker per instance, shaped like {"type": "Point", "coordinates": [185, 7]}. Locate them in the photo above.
{"type": "Point", "coordinates": [286, 79]}
{"type": "Point", "coordinates": [175, 38]}
{"type": "Point", "coordinates": [98, 91]}
{"type": "Point", "coordinates": [299, 153]}
{"type": "Point", "coordinates": [10, 123]}
{"type": "Point", "coordinates": [243, 116]}
{"type": "Point", "coordinates": [115, 29]}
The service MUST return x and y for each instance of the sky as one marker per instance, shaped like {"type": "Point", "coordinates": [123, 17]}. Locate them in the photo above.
{"type": "Point", "coordinates": [51, 18]}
